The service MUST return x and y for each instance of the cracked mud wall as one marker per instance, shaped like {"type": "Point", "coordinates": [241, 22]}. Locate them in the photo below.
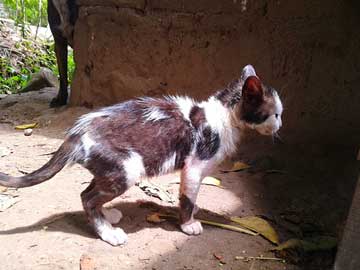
{"type": "Point", "coordinates": [308, 50]}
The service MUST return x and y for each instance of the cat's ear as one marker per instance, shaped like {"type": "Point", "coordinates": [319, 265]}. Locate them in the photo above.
{"type": "Point", "coordinates": [253, 90]}
{"type": "Point", "coordinates": [247, 72]}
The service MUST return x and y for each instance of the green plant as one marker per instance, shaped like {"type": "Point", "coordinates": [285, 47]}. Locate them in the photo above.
{"type": "Point", "coordinates": [30, 11]}
{"type": "Point", "coordinates": [16, 70]}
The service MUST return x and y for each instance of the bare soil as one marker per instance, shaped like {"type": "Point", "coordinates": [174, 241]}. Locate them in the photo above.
{"type": "Point", "coordinates": [301, 190]}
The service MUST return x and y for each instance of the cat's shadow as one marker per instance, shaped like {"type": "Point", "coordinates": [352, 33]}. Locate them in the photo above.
{"type": "Point", "coordinates": [134, 220]}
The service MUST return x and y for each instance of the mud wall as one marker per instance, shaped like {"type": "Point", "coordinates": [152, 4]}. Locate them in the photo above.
{"type": "Point", "coordinates": [308, 50]}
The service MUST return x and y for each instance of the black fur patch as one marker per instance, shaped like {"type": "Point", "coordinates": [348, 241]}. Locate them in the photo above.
{"type": "Point", "coordinates": [186, 208]}
{"type": "Point", "coordinates": [254, 118]}
{"type": "Point", "coordinates": [231, 95]}
{"type": "Point", "coordinates": [197, 116]}
{"type": "Point", "coordinates": [208, 145]}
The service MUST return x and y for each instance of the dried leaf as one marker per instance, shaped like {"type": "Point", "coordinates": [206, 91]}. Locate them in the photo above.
{"type": "Point", "coordinates": [261, 258]}
{"type": "Point", "coordinates": [26, 126]}
{"type": "Point", "coordinates": [219, 258]}
{"type": "Point", "coordinates": [228, 227]}
{"type": "Point", "coordinates": [310, 244]}
{"type": "Point", "coordinates": [217, 224]}
{"type": "Point", "coordinates": [258, 225]}
{"type": "Point", "coordinates": [157, 191]}
{"type": "Point", "coordinates": [238, 166]}
{"type": "Point", "coordinates": [212, 181]}
{"type": "Point", "coordinates": [208, 180]}
{"type": "Point", "coordinates": [155, 218]}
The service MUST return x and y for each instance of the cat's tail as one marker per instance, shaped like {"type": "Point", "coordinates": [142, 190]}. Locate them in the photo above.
{"type": "Point", "coordinates": [61, 157]}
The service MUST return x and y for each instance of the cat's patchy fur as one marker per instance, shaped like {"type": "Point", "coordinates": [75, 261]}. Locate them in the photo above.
{"type": "Point", "coordinates": [149, 136]}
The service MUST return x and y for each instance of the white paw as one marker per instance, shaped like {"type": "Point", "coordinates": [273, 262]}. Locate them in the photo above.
{"type": "Point", "coordinates": [193, 228]}
{"type": "Point", "coordinates": [114, 236]}
{"type": "Point", "coordinates": [112, 215]}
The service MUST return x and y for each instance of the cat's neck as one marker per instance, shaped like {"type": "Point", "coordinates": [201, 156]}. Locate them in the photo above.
{"type": "Point", "coordinates": [220, 116]}
{"type": "Point", "coordinates": [231, 95]}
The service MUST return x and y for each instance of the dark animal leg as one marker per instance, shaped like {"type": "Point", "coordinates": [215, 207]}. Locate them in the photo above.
{"type": "Point", "coordinates": [61, 58]}
{"type": "Point", "coordinates": [93, 199]}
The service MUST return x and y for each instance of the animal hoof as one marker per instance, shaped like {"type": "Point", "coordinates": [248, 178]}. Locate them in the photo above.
{"type": "Point", "coordinates": [112, 215]}
{"type": "Point", "coordinates": [114, 237]}
{"type": "Point", "coordinates": [57, 102]}
{"type": "Point", "coordinates": [192, 228]}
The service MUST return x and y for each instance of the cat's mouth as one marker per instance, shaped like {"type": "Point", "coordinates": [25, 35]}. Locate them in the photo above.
{"type": "Point", "coordinates": [264, 130]}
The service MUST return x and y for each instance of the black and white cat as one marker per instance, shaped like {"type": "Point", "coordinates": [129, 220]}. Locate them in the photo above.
{"type": "Point", "coordinates": [146, 137]}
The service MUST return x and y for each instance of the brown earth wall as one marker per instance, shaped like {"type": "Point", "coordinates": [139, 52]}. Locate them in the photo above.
{"type": "Point", "coordinates": [308, 50]}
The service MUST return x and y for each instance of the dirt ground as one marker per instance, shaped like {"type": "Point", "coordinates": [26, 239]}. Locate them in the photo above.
{"type": "Point", "coordinates": [301, 190]}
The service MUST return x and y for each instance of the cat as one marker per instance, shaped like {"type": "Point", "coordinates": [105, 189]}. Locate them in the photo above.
{"type": "Point", "coordinates": [147, 137]}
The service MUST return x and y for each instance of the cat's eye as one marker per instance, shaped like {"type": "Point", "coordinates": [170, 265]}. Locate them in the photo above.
{"type": "Point", "coordinates": [276, 115]}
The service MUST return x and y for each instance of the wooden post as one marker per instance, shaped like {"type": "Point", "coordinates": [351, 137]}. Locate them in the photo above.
{"type": "Point", "coordinates": [347, 257]}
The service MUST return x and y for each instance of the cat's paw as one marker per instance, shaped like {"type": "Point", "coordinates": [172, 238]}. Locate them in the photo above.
{"type": "Point", "coordinates": [192, 228]}
{"type": "Point", "coordinates": [112, 215]}
{"type": "Point", "coordinates": [114, 236]}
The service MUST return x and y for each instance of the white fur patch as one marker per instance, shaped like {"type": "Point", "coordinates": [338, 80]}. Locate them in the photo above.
{"type": "Point", "coordinates": [113, 236]}
{"type": "Point", "coordinates": [87, 143]}
{"type": "Point", "coordinates": [278, 105]}
{"type": "Point", "coordinates": [248, 71]}
{"type": "Point", "coordinates": [219, 119]}
{"type": "Point", "coordinates": [85, 120]}
{"type": "Point", "coordinates": [268, 127]}
{"type": "Point", "coordinates": [193, 173]}
{"type": "Point", "coordinates": [82, 150]}
{"type": "Point", "coordinates": [168, 165]}
{"type": "Point", "coordinates": [154, 114]}
{"type": "Point", "coordinates": [134, 168]}
{"type": "Point", "coordinates": [184, 103]}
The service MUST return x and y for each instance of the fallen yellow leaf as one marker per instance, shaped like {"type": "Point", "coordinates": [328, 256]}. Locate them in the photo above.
{"type": "Point", "coordinates": [228, 227]}
{"type": "Point", "coordinates": [258, 225]}
{"type": "Point", "coordinates": [238, 166]}
{"type": "Point", "coordinates": [212, 181]}
{"type": "Point", "coordinates": [213, 223]}
{"type": "Point", "coordinates": [155, 218]}
{"type": "Point", "coordinates": [26, 126]}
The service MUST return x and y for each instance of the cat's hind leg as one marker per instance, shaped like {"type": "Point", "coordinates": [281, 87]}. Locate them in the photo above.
{"type": "Point", "coordinates": [93, 198]}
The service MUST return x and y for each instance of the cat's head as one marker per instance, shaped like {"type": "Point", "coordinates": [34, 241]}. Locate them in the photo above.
{"type": "Point", "coordinates": [260, 107]}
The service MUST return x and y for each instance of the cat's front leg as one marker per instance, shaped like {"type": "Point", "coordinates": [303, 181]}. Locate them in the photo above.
{"type": "Point", "coordinates": [191, 176]}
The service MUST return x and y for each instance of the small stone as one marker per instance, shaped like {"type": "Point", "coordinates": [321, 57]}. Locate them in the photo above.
{"type": "Point", "coordinates": [87, 263]}
{"type": "Point", "coordinates": [4, 151]}
{"type": "Point", "coordinates": [28, 132]}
